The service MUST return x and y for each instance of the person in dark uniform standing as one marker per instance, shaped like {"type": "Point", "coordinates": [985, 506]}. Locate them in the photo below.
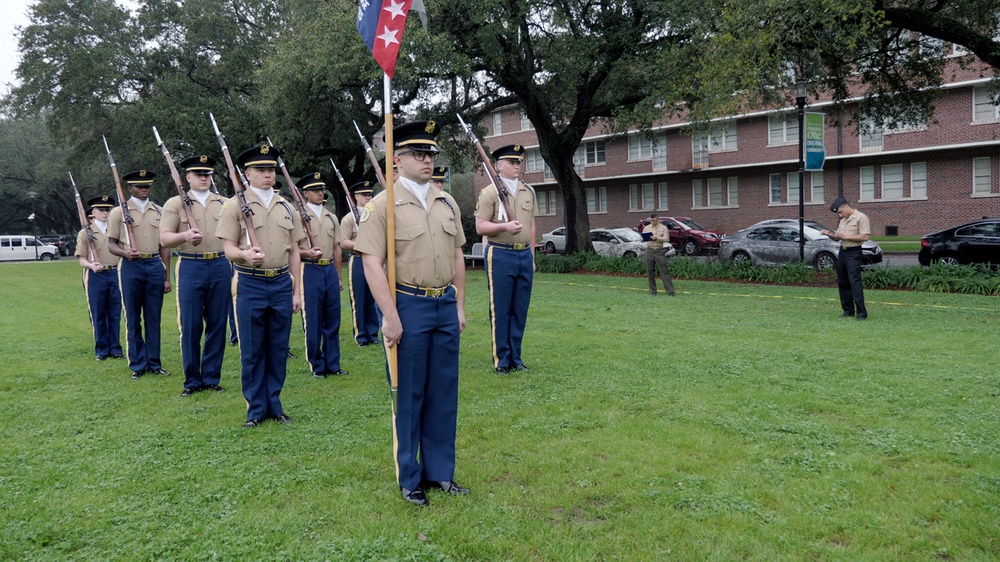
{"type": "Point", "coordinates": [428, 316]}
{"type": "Point", "coordinates": [853, 231]}
{"type": "Point", "coordinates": [202, 275]}
{"type": "Point", "coordinates": [266, 284]}
{"type": "Point", "coordinates": [656, 255]}
{"type": "Point", "coordinates": [439, 176]}
{"type": "Point", "coordinates": [509, 257]}
{"type": "Point", "coordinates": [100, 281]}
{"type": "Point", "coordinates": [363, 311]}
{"type": "Point", "coordinates": [321, 284]}
{"type": "Point", "coordinates": [142, 274]}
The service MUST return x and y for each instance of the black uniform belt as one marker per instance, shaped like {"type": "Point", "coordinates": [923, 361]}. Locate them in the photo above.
{"type": "Point", "coordinates": [519, 246]}
{"type": "Point", "coordinates": [148, 256]}
{"type": "Point", "coordinates": [433, 292]}
{"type": "Point", "coordinates": [205, 256]}
{"type": "Point", "coordinates": [261, 272]}
{"type": "Point", "coordinates": [321, 261]}
{"type": "Point", "coordinates": [353, 253]}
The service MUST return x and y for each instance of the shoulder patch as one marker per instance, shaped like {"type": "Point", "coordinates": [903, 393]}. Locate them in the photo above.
{"type": "Point", "coordinates": [367, 211]}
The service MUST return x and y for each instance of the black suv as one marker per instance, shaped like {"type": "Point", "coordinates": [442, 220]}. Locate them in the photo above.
{"type": "Point", "coordinates": [65, 242]}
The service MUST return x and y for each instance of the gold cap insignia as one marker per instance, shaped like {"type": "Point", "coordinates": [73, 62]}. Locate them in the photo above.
{"type": "Point", "coordinates": [203, 159]}
{"type": "Point", "coordinates": [517, 148]}
{"type": "Point", "coordinates": [431, 127]}
{"type": "Point", "coordinates": [316, 175]}
{"type": "Point", "coordinates": [264, 149]}
{"type": "Point", "coordinates": [142, 173]}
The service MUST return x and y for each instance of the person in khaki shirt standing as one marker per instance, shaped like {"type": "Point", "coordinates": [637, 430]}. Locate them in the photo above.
{"type": "Point", "coordinates": [509, 257]}
{"type": "Point", "coordinates": [142, 274]}
{"type": "Point", "coordinates": [428, 316]}
{"type": "Point", "coordinates": [363, 311]}
{"type": "Point", "coordinates": [100, 281]}
{"type": "Point", "coordinates": [853, 231]}
{"type": "Point", "coordinates": [266, 284]}
{"type": "Point", "coordinates": [656, 255]}
{"type": "Point", "coordinates": [321, 284]}
{"type": "Point", "coordinates": [202, 276]}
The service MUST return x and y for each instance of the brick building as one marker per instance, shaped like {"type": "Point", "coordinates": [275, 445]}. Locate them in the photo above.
{"type": "Point", "coordinates": [910, 180]}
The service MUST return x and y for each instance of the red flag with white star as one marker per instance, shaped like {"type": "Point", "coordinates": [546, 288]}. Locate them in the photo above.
{"type": "Point", "coordinates": [381, 24]}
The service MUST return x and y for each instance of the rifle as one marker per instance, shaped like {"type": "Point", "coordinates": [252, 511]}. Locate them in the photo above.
{"type": "Point", "coordinates": [122, 202]}
{"type": "Point", "coordinates": [491, 172]}
{"type": "Point", "coordinates": [84, 221]}
{"type": "Point", "coordinates": [300, 202]}
{"type": "Point", "coordinates": [237, 185]}
{"type": "Point", "coordinates": [185, 200]}
{"type": "Point", "coordinates": [350, 204]}
{"type": "Point", "coordinates": [215, 188]}
{"type": "Point", "coordinates": [371, 156]}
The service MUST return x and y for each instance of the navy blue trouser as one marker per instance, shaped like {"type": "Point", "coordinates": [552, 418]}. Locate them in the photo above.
{"type": "Point", "coordinates": [363, 308]}
{"type": "Point", "coordinates": [427, 414]}
{"type": "Point", "coordinates": [509, 274]}
{"type": "Point", "coordinates": [852, 295]}
{"type": "Point", "coordinates": [204, 294]}
{"type": "Point", "coordinates": [263, 308]}
{"type": "Point", "coordinates": [321, 316]}
{"type": "Point", "coordinates": [141, 283]}
{"type": "Point", "coordinates": [104, 304]}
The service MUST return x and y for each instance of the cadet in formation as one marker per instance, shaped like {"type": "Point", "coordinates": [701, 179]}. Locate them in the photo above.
{"type": "Point", "coordinates": [321, 284]}
{"type": "Point", "coordinates": [509, 256]}
{"type": "Point", "coordinates": [100, 280]}
{"type": "Point", "coordinates": [266, 287]}
{"type": "Point", "coordinates": [202, 276]}
{"type": "Point", "coordinates": [425, 322]}
{"type": "Point", "coordinates": [363, 311]}
{"type": "Point", "coordinates": [142, 274]}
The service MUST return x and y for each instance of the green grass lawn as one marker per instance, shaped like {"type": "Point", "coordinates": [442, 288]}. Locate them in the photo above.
{"type": "Point", "coordinates": [898, 243]}
{"type": "Point", "coordinates": [730, 422]}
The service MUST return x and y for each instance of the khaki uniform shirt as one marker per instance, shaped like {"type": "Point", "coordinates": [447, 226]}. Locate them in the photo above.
{"type": "Point", "coordinates": [326, 234]}
{"type": "Point", "coordinates": [856, 223]}
{"type": "Point", "coordinates": [276, 228]}
{"type": "Point", "coordinates": [660, 234]}
{"type": "Point", "coordinates": [348, 228]}
{"type": "Point", "coordinates": [145, 226]}
{"type": "Point", "coordinates": [205, 216]}
{"type": "Point", "coordinates": [425, 240]}
{"type": "Point", "coordinates": [101, 251]}
{"type": "Point", "coordinates": [524, 204]}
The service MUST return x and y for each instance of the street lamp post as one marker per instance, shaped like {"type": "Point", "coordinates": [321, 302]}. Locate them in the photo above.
{"type": "Point", "coordinates": [31, 219]}
{"type": "Point", "coordinates": [800, 102]}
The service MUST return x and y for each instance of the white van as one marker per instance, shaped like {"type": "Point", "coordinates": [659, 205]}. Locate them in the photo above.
{"type": "Point", "coordinates": [14, 247]}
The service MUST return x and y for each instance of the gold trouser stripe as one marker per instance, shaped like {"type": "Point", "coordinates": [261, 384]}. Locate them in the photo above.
{"type": "Point", "coordinates": [177, 301]}
{"type": "Point", "coordinates": [350, 291]}
{"type": "Point", "coordinates": [493, 311]}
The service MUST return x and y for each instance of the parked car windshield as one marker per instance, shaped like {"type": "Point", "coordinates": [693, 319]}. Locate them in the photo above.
{"type": "Point", "coordinates": [691, 224]}
{"type": "Point", "coordinates": [627, 234]}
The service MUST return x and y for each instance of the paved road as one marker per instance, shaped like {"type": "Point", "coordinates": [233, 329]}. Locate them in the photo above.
{"type": "Point", "coordinates": [900, 260]}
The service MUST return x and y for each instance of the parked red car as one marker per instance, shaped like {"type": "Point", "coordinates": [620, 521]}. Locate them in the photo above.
{"type": "Point", "coordinates": [688, 236]}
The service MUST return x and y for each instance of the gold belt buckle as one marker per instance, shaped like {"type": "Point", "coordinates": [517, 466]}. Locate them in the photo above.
{"type": "Point", "coordinates": [211, 255]}
{"type": "Point", "coordinates": [520, 246]}
{"type": "Point", "coordinates": [435, 291]}
{"type": "Point", "coordinates": [145, 256]}
{"type": "Point", "coordinates": [270, 273]}
{"type": "Point", "coordinates": [323, 261]}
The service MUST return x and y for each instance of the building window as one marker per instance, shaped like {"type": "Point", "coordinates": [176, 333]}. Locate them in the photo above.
{"type": "Point", "coordinates": [546, 202]}
{"type": "Point", "coordinates": [533, 161]}
{"type": "Point", "coordinates": [595, 152]}
{"type": "Point", "coordinates": [871, 136]}
{"type": "Point", "coordinates": [982, 176]}
{"type": "Point", "coordinates": [597, 199]}
{"type": "Point", "coordinates": [660, 153]}
{"type": "Point", "coordinates": [525, 122]}
{"type": "Point", "coordinates": [892, 181]}
{"type": "Point", "coordinates": [715, 192]}
{"type": "Point", "coordinates": [640, 147]}
{"type": "Point", "coordinates": [497, 127]}
{"type": "Point", "coordinates": [734, 191]}
{"type": "Point", "coordinates": [867, 183]}
{"type": "Point", "coordinates": [985, 108]}
{"type": "Point", "coordinates": [641, 197]}
{"type": "Point", "coordinates": [697, 200]}
{"type": "Point", "coordinates": [663, 203]}
{"type": "Point", "coordinates": [817, 195]}
{"type": "Point", "coordinates": [918, 180]}
{"type": "Point", "coordinates": [782, 129]}
{"type": "Point", "coordinates": [775, 188]}
{"type": "Point", "coordinates": [793, 187]}
{"type": "Point", "coordinates": [723, 138]}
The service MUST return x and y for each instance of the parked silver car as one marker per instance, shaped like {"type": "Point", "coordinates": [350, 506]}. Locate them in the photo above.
{"type": "Point", "coordinates": [608, 242]}
{"type": "Point", "coordinates": [871, 252]}
{"type": "Point", "coordinates": [779, 244]}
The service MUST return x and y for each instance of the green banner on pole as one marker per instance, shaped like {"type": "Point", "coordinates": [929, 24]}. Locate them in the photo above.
{"type": "Point", "coordinates": [815, 149]}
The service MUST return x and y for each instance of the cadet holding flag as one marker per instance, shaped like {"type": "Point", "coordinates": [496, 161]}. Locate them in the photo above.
{"type": "Point", "coordinates": [202, 275]}
{"type": "Point", "coordinates": [363, 309]}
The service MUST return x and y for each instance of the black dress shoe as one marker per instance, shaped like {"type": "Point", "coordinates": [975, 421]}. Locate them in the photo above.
{"type": "Point", "coordinates": [252, 423]}
{"type": "Point", "coordinates": [338, 373]}
{"type": "Point", "coordinates": [189, 391]}
{"type": "Point", "coordinates": [503, 370]}
{"type": "Point", "coordinates": [160, 371]}
{"type": "Point", "coordinates": [862, 317]}
{"type": "Point", "coordinates": [847, 315]}
{"type": "Point", "coordinates": [283, 419]}
{"type": "Point", "coordinates": [521, 367]}
{"type": "Point", "coordinates": [290, 354]}
{"type": "Point", "coordinates": [449, 487]}
{"type": "Point", "coordinates": [117, 356]}
{"type": "Point", "coordinates": [213, 388]}
{"type": "Point", "coordinates": [319, 375]}
{"type": "Point", "coordinates": [416, 497]}
{"type": "Point", "coordinates": [102, 357]}
{"type": "Point", "coordinates": [136, 375]}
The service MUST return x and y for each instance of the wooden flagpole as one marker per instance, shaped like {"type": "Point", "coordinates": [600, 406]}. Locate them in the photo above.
{"type": "Point", "coordinates": [390, 238]}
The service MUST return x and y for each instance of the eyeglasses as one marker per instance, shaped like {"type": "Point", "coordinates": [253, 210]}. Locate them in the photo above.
{"type": "Point", "coordinates": [421, 155]}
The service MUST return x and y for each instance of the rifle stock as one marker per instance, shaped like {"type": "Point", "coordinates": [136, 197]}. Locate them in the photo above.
{"type": "Point", "coordinates": [371, 156]}
{"type": "Point", "coordinates": [234, 176]}
{"type": "Point", "coordinates": [299, 200]}
{"type": "Point", "coordinates": [185, 200]}
{"type": "Point", "coordinates": [491, 171]}
{"type": "Point", "coordinates": [347, 192]}
{"type": "Point", "coordinates": [122, 202]}
{"type": "Point", "coordinates": [84, 221]}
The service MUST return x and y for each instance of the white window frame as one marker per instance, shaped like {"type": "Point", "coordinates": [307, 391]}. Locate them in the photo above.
{"type": "Point", "coordinates": [640, 148]}
{"type": "Point", "coordinates": [866, 182]}
{"type": "Point", "coordinates": [594, 152]}
{"type": "Point", "coordinates": [697, 195]}
{"type": "Point", "coordinates": [716, 192]}
{"type": "Point", "coordinates": [892, 178]}
{"type": "Point", "coordinates": [533, 161]}
{"type": "Point", "coordinates": [597, 200]}
{"type": "Point", "coordinates": [984, 110]}
{"type": "Point", "coordinates": [732, 191]}
{"type": "Point", "coordinates": [788, 127]}
{"type": "Point", "coordinates": [497, 124]}
{"type": "Point", "coordinates": [871, 136]}
{"type": "Point", "coordinates": [773, 189]}
{"type": "Point", "coordinates": [792, 188]}
{"type": "Point", "coordinates": [641, 197]}
{"type": "Point", "coordinates": [722, 138]}
{"type": "Point", "coordinates": [663, 198]}
{"type": "Point", "coordinates": [525, 122]}
{"type": "Point", "coordinates": [918, 180]}
{"type": "Point", "coordinates": [982, 176]}
{"type": "Point", "coordinates": [547, 205]}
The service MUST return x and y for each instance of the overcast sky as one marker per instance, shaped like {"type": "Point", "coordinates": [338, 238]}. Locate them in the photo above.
{"type": "Point", "coordinates": [15, 14]}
